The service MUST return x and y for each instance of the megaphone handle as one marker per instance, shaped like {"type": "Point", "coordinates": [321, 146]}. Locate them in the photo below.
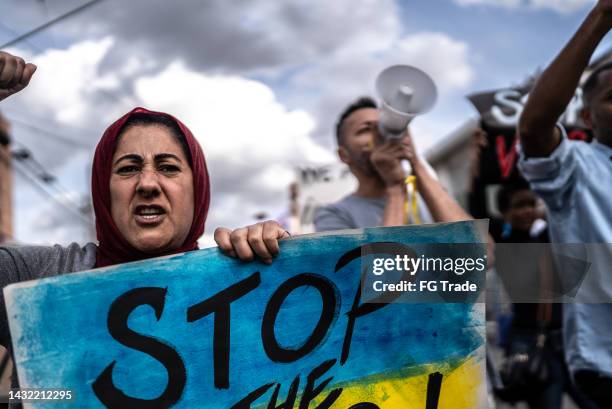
{"type": "Point", "coordinates": [410, 202]}
{"type": "Point", "coordinates": [407, 167]}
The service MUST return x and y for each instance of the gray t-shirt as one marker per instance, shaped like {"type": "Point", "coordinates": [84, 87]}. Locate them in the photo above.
{"type": "Point", "coordinates": [356, 212]}
{"type": "Point", "coordinates": [22, 263]}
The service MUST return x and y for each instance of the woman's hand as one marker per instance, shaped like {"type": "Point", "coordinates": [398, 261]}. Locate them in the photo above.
{"type": "Point", "coordinates": [15, 74]}
{"type": "Point", "coordinates": [245, 243]}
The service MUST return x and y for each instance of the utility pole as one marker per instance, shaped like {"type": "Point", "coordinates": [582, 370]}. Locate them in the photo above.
{"type": "Point", "coordinates": [6, 182]}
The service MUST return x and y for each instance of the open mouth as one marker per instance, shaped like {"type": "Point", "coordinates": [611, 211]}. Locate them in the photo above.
{"type": "Point", "coordinates": [149, 214]}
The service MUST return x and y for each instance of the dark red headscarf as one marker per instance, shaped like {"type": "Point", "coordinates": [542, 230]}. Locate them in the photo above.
{"type": "Point", "coordinates": [113, 248]}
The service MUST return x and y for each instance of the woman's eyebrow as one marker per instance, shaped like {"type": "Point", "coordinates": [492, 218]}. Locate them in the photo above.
{"type": "Point", "coordinates": [162, 156]}
{"type": "Point", "coordinates": [130, 156]}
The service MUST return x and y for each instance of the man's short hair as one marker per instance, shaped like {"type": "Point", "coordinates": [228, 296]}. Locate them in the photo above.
{"type": "Point", "coordinates": [592, 82]}
{"type": "Point", "coordinates": [505, 193]}
{"type": "Point", "coordinates": [360, 103]}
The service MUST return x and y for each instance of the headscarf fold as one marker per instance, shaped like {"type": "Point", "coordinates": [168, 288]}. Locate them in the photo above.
{"type": "Point", "coordinates": [113, 248]}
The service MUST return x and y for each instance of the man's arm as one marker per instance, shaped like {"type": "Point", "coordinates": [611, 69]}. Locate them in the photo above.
{"type": "Point", "coordinates": [394, 208]}
{"type": "Point", "coordinates": [557, 84]}
{"type": "Point", "coordinates": [441, 205]}
{"type": "Point", "coordinates": [386, 159]}
{"type": "Point", "coordinates": [15, 74]}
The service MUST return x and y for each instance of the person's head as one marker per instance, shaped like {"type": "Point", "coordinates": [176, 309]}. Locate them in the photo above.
{"type": "Point", "coordinates": [150, 188]}
{"type": "Point", "coordinates": [517, 204]}
{"type": "Point", "coordinates": [597, 101]}
{"type": "Point", "coordinates": [356, 132]}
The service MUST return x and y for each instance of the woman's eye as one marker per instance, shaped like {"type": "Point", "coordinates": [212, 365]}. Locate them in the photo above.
{"type": "Point", "coordinates": [124, 170]}
{"type": "Point", "coordinates": [169, 168]}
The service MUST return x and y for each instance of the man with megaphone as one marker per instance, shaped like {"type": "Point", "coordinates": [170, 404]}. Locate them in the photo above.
{"type": "Point", "coordinates": [376, 162]}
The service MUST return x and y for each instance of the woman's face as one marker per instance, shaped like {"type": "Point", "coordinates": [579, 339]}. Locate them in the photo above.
{"type": "Point", "coordinates": [151, 189]}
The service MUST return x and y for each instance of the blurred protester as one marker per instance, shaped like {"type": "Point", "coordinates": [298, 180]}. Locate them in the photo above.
{"type": "Point", "coordinates": [380, 199]}
{"type": "Point", "coordinates": [575, 181]}
{"type": "Point", "coordinates": [535, 329]}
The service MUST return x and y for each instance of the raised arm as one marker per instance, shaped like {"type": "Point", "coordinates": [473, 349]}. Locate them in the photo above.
{"type": "Point", "coordinates": [386, 159]}
{"type": "Point", "coordinates": [15, 74]}
{"type": "Point", "coordinates": [557, 84]}
{"type": "Point", "coordinates": [442, 206]}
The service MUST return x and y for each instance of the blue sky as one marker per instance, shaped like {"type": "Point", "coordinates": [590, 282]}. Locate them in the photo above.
{"type": "Point", "coordinates": [260, 83]}
{"type": "Point", "coordinates": [507, 43]}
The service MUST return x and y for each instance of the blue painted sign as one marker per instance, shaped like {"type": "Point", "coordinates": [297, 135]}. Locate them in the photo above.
{"type": "Point", "coordinates": [202, 330]}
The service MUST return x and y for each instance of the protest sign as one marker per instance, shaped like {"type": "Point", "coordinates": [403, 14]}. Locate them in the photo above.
{"type": "Point", "coordinates": [202, 330]}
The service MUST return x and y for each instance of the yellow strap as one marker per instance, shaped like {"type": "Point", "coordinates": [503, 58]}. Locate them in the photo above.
{"type": "Point", "coordinates": [410, 203]}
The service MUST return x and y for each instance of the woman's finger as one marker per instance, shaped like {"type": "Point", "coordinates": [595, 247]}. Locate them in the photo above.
{"type": "Point", "coordinates": [19, 66]}
{"type": "Point", "coordinates": [222, 238]}
{"type": "Point", "coordinates": [239, 239]}
{"type": "Point", "coordinates": [28, 71]}
{"type": "Point", "coordinates": [272, 231]}
{"type": "Point", "coordinates": [8, 71]}
{"type": "Point", "coordinates": [256, 241]}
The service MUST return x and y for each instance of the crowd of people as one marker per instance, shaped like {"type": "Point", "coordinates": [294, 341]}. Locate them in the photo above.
{"type": "Point", "coordinates": [151, 194]}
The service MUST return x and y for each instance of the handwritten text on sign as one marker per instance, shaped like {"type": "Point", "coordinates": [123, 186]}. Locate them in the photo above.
{"type": "Point", "coordinates": [203, 330]}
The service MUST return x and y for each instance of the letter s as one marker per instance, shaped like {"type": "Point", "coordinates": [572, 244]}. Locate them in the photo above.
{"type": "Point", "coordinates": [120, 310]}
{"type": "Point", "coordinates": [504, 98]}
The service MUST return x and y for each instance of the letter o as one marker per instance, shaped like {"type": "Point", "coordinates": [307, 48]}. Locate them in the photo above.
{"type": "Point", "coordinates": [329, 312]}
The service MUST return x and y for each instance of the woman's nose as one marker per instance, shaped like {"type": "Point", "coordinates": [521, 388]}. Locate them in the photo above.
{"type": "Point", "coordinates": [148, 184]}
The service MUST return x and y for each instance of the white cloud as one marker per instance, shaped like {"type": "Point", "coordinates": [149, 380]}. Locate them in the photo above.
{"type": "Point", "coordinates": [235, 118]}
{"type": "Point", "coordinates": [339, 80]}
{"type": "Point", "coordinates": [499, 3]}
{"type": "Point", "coordinates": [251, 138]}
{"type": "Point", "coordinates": [560, 6]}
{"type": "Point", "coordinates": [251, 141]}
{"type": "Point", "coordinates": [237, 36]}
{"type": "Point", "coordinates": [66, 78]}
{"type": "Point", "coordinates": [55, 217]}
{"type": "Point", "coordinates": [449, 65]}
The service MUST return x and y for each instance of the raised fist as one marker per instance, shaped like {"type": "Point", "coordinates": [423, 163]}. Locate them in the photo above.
{"type": "Point", "coordinates": [15, 74]}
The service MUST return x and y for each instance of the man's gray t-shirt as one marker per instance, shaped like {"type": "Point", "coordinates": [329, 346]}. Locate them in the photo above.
{"type": "Point", "coordinates": [22, 263]}
{"type": "Point", "coordinates": [356, 212]}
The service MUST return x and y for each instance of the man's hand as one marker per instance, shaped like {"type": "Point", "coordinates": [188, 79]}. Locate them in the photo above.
{"type": "Point", "coordinates": [387, 159]}
{"type": "Point", "coordinates": [555, 88]}
{"type": "Point", "coordinates": [259, 240]}
{"type": "Point", "coordinates": [15, 74]}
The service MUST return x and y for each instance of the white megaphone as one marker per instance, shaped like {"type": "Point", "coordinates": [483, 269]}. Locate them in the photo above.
{"type": "Point", "coordinates": [405, 92]}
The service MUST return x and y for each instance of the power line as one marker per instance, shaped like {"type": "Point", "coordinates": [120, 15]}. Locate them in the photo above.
{"type": "Point", "coordinates": [36, 184]}
{"type": "Point", "coordinates": [65, 139]}
{"type": "Point", "coordinates": [25, 157]}
{"type": "Point", "coordinates": [13, 32]}
{"type": "Point", "coordinates": [11, 113]}
{"type": "Point", "coordinates": [49, 24]}
{"type": "Point", "coordinates": [39, 187]}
